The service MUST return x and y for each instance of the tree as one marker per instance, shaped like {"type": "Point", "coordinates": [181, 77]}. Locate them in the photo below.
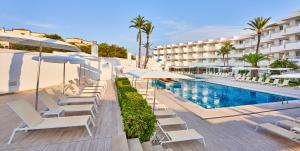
{"type": "Point", "coordinates": [222, 51]}
{"type": "Point", "coordinates": [259, 24]}
{"type": "Point", "coordinates": [107, 50]}
{"type": "Point", "coordinates": [284, 63]}
{"type": "Point", "coordinates": [225, 50]}
{"type": "Point", "coordinates": [54, 36]}
{"type": "Point", "coordinates": [147, 29]}
{"type": "Point", "coordinates": [255, 58]}
{"type": "Point", "coordinates": [138, 23]}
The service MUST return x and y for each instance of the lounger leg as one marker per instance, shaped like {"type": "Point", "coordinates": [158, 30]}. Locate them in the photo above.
{"type": "Point", "coordinates": [93, 115]}
{"type": "Point", "coordinates": [92, 121]}
{"type": "Point", "coordinates": [256, 128]}
{"type": "Point", "coordinates": [203, 142]}
{"type": "Point", "coordinates": [96, 109]}
{"type": "Point", "coordinates": [88, 129]}
{"type": "Point", "coordinates": [12, 135]}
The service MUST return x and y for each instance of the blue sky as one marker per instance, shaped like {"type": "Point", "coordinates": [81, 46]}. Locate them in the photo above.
{"type": "Point", "coordinates": [108, 21]}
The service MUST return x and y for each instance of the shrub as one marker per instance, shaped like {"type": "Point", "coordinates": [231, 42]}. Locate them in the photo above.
{"type": "Point", "coordinates": [138, 118]}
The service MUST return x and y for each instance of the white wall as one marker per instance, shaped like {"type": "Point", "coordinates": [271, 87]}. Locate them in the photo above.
{"type": "Point", "coordinates": [18, 68]}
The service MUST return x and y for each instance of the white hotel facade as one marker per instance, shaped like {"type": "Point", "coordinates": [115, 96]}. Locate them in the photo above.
{"type": "Point", "coordinates": [279, 42]}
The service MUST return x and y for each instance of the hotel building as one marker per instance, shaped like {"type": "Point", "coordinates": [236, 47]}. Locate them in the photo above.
{"type": "Point", "coordinates": [279, 42]}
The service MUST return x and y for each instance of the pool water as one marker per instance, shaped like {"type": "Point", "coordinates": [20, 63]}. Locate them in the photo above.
{"type": "Point", "coordinates": [210, 95]}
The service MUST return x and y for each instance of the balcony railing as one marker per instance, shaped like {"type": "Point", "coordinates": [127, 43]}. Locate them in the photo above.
{"type": "Point", "coordinates": [292, 45]}
{"type": "Point", "coordinates": [292, 30]}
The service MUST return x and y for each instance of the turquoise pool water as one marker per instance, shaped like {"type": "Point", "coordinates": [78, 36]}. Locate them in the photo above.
{"type": "Point", "coordinates": [210, 95]}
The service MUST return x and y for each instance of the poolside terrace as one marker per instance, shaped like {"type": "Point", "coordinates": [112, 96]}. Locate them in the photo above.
{"type": "Point", "coordinates": [228, 133]}
{"type": "Point", "coordinates": [108, 123]}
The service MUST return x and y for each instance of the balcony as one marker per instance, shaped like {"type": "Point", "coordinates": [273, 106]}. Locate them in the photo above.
{"type": "Point", "coordinates": [277, 35]}
{"type": "Point", "coordinates": [169, 51]}
{"type": "Point", "coordinates": [292, 30]}
{"type": "Point", "coordinates": [265, 50]}
{"type": "Point", "coordinates": [185, 63]}
{"type": "Point", "coordinates": [185, 56]}
{"type": "Point", "coordinates": [195, 56]}
{"type": "Point", "coordinates": [265, 39]}
{"type": "Point", "coordinates": [292, 45]}
{"type": "Point", "coordinates": [177, 57]}
{"type": "Point", "coordinates": [239, 46]}
{"type": "Point", "coordinates": [249, 44]}
{"type": "Point", "coordinates": [177, 50]}
{"type": "Point", "coordinates": [277, 48]}
{"type": "Point", "coordinates": [185, 50]}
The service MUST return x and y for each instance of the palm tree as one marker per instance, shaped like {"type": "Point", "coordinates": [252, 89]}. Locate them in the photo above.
{"type": "Point", "coordinates": [254, 58]}
{"type": "Point", "coordinates": [147, 29]}
{"type": "Point", "coordinates": [138, 23]}
{"type": "Point", "coordinates": [222, 51]}
{"type": "Point", "coordinates": [259, 24]}
{"type": "Point", "coordinates": [228, 46]}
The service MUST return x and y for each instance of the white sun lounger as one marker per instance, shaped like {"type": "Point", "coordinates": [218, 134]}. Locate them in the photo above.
{"type": "Point", "coordinates": [288, 123]}
{"type": "Point", "coordinates": [284, 83]}
{"type": "Point", "coordinates": [260, 79]}
{"type": "Point", "coordinates": [63, 100]}
{"type": "Point", "coordinates": [33, 121]}
{"type": "Point", "coordinates": [171, 121]}
{"type": "Point", "coordinates": [159, 113]}
{"type": "Point", "coordinates": [181, 135]}
{"type": "Point", "coordinates": [51, 104]}
{"type": "Point", "coordinates": [279, 131]}
{"type": "Point", "coordinates": [267, 81]}
{"type": "Point", "coordinates": [275, 82]}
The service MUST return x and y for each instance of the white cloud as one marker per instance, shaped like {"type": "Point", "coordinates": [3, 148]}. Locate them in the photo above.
{"type": "Point", "coordinates": [205, 32]}
{"type": "Point", "coordinates": [181, 31]}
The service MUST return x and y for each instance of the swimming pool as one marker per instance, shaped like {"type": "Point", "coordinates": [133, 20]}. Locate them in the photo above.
{"type": "Point", "coordinates": [211, 95]}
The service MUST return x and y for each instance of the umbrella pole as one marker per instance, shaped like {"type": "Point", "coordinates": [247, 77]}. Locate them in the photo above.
{"type": "Point", "coordinates": [79, 74]}
{"type": "Point", "coordinates": [147, 90]}
{"type": "Point", "coordinates": [64, 74]}
{"type": "Point", "coordinates": [38, 80]}
{"type": "Point", "coordinates": [154, 98]}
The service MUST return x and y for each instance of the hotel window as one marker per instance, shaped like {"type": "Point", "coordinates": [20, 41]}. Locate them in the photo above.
{"type": "Point", "coordinates": [298, 22]}
{"type": "Point", "coordinates": [280, 27]}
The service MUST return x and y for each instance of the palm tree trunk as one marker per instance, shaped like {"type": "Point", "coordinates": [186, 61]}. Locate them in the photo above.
{"type": "Point", "coordinates": [223, 55]}
{"type": "Point", "coordinates": [258, 42]}
{"type": "Point", "coordinates": [227, 60]}
{"type": "Point", "coordinates": [140, 48]}
{"type": "Point", "coordinates": [147, 52]}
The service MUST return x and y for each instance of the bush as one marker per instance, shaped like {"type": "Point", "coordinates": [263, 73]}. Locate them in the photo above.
{"type": "Point", "coordinates": [138, 118]}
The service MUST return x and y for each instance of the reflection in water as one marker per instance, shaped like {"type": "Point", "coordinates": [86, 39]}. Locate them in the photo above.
{"type": "Point", "coordinates": [209, 95]}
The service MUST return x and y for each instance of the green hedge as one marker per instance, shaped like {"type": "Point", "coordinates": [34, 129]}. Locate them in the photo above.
{"type": "Point", "coordinates": [138, 118]}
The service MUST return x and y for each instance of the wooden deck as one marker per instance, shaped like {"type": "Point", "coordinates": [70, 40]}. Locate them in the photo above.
{"type": "Point", "coordinates": [108, 124]}
{"type": "Point", "coordinates": [229, 134]}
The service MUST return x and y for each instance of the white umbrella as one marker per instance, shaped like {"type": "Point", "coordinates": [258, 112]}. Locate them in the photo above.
{"type": "Point", "coordinates": [287, 76]}
{"type": "Point", "coordinates": [60, 59]}
{"type": "Point", "coordinates": [57, 59]}
{"type": "Point", "coordinates": [155, 75]}
{"type": "Point", "coordinates": [38, 42]}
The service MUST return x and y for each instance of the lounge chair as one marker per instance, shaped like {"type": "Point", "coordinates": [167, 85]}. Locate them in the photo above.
{"type": "Point", "coordinates": [253, 79]}
{"type": "Point", "coordinates": [33, 121]}
{"type": "Point", "coordinates": [82, 90]}
{"type": "Point", "coordinates": [90, 84]}
{"type": "Point", "coordinates": [267, 81]}
{"type": "Point", "coordinates": [52, 105]}
{"type": "Point", "coordinates": [70, 92]}
{"type": "Point", "coordinates": [284, 83]}
{"type": "Point", "coordinates": [181, 135]}
{"type": "Point", "coordinates": [79, 99]}
{"type": "Point", "coordinates": [260, 79]}
{"type": "Point", "coordinates": [288, 123]}
{"type": "Point", "coordinates": [279, 131]}
{"type": "Point", "coordinates": [160, 113]}
{"type": "Point", "coordinates": [248, 79]}
{"type": "Point", "coordinates": [171, 121]}
{"type": "Point", "coordinates": [275, 82]}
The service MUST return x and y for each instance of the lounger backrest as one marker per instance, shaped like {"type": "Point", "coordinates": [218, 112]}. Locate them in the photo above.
{"type": "Point", "coordinates": [48, 101]}
{"type": "Point", "coordinates": [267, 80]}
{"type": "Point", "coordinates": [276, 81]}
{"type": "Point", "coordinates": [26, 112]}
{"type": "Point", "coordinates": [286, 82]}
{"type": "Point", "coordinates": [260, 79]}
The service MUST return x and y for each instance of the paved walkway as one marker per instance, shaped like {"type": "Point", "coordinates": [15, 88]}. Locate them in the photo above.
{"type": "Point", "coordinates": [108, 124]}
